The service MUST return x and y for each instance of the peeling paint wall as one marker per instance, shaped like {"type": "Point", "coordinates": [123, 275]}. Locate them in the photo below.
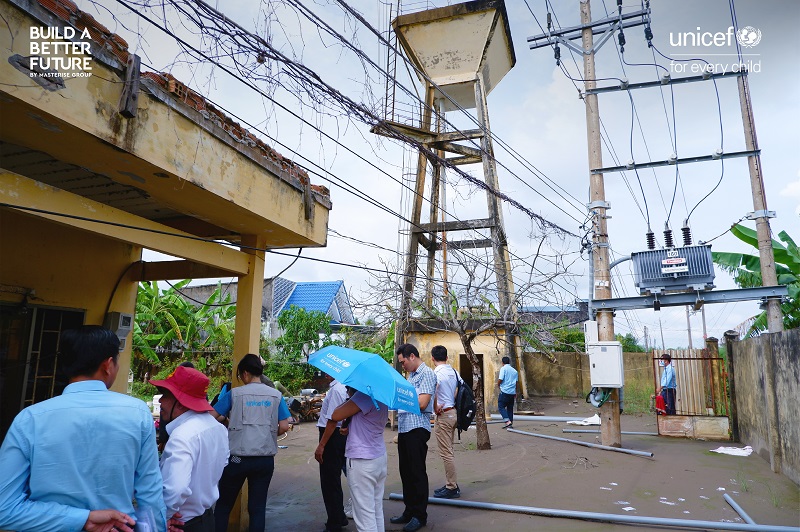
{"type": "Point", "coordinates": [749, 362]}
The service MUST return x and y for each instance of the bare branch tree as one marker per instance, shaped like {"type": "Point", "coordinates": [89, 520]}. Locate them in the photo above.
{"type": "Point", "coordinates": [469, 308]}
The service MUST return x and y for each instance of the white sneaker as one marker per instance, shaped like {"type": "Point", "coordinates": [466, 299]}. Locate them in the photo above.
{"type": "Point", "coordinates": [348, 508]}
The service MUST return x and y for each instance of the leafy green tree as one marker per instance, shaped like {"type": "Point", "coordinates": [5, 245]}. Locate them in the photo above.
{"type": "Point", "coordinates": [554, 338]}
{"type": "Point", "coordinates": [303, 332]}
{"type": "Point", "coordinates": [629, 343]}
{"type": "Point", "coordinates": [746, 272]}
{"type": "Point", "coordinates": [380, 343]}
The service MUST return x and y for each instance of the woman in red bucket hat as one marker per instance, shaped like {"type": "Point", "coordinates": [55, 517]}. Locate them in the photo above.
{"type": "Point", "coordinates": [196, 452]}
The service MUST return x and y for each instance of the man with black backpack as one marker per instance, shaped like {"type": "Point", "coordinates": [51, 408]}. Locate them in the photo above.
{"type": "Point", "coordinates": [446, 419]}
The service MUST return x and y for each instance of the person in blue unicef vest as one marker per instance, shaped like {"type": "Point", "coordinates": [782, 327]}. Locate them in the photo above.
{"type": "Point", "coordinates": [256, 416]}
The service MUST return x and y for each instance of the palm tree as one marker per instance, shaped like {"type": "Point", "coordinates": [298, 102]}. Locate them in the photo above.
{"type": "Point", "coordinates": [746, 272]}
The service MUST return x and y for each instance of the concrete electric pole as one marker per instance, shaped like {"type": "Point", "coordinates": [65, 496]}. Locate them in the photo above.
{"type": "Point", "coordinates": [610, 430]}
{"type": "Point", "coordinates": [761, 215]}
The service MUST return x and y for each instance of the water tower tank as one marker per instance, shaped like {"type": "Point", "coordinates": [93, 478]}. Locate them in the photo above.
{"type": "Point", "coordinates": [455, 45]}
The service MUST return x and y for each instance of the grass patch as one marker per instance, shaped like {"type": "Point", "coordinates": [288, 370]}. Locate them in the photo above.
{"type": "Point", "coordinates": [636, 398]}
{"type": "Point", "coordinates": [741, 479]}
{"type": "Point", "coordinates": [773, 497]}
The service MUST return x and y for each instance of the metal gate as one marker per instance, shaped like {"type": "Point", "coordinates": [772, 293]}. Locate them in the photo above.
{"type": "Point", "coordinates": [701, 380]}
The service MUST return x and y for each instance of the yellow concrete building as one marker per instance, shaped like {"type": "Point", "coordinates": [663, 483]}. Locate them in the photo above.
{"type": "Point", "coordinates": [488, 346]}
{"type": "Point", "coordinates": [95, 168]}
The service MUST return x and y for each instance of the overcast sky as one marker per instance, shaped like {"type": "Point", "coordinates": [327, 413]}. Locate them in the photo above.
{"type": "Point", "coordinates": [535, 110]}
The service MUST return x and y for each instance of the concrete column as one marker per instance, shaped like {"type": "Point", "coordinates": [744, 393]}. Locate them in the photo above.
{"type": "Point", "coordinates": [247, 339]}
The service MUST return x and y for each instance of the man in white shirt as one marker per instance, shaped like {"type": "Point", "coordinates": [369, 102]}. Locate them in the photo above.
{"type": "Point", "coordinates": [446, 420]}
{"type": "Point", "coordinates": [333, 460]}
{"type": "Point", "coordinates": [195, 454]}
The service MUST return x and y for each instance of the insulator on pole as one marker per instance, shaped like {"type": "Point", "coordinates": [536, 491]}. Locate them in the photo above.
{"type": "Point", "coordinates": [651, 239]}
{"type": "Point", "coordinates": [668, 237]}
{"type": "Point", "coordinates": [687, 233]}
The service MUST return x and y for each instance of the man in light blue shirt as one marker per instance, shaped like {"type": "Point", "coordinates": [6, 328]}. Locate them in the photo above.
{"type": "Point", "coordinates": [77, 461]}
{"type": "Point", "coordinates": [507, 381]}
{"type": "Point", "coordinates": [668, 388]}
{"type": "Point", "coordinates": [414, 431]}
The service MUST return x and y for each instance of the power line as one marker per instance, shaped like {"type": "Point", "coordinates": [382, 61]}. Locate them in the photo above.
{"type": "Point", "coordinates": [204, 55]}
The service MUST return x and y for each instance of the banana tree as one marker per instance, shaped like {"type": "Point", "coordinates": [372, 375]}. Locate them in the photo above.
{"type": "Point", "coordinates": [167, 324]}
{"type": "Point", "coordinates": [746, 272]}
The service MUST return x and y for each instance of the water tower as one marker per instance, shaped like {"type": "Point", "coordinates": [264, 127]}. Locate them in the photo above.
{"type": "Point", "coordinates": [461, 52]}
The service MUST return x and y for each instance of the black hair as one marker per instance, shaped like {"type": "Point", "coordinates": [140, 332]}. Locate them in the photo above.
{"type": "Point", "coordinates": [439, 353]}
{"type": "Point", "coordinates": [82, 350]}
{"type": "Point", "coordinates": [406, 350]}
{"type": "Point", "coordinates": [506, 360]}
{"type": "Point", "coordinates": [187, 364]}
{"type": "Point", "coordinates": [251, 364]}
{"type": "Point", "coordinates": [667, 356]}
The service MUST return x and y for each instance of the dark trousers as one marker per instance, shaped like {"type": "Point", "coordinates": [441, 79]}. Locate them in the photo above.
{"type": "Point", "coordinates": [412, 448]}
{"type": "Point", "coordinates": [330, 480]}
{"type": "Point", "coordinates": [505, 404]}
{"type": "Point", "coordinates": [258, 472]}
{"type": "Point", "coordinates": [669, 400]}
{"type": "Point", "coordinates": [201, 523]}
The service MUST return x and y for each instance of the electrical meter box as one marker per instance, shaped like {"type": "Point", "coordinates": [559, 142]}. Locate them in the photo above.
{"type": "Point", "coordinates": [605, 364]}
{"type": "Point", "coordinates": [121, 324]}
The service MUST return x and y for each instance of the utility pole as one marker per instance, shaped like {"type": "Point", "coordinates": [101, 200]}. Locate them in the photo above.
{"type": "Point", "coordinates": [646, 339]}
{"type": "Point", "coordinates": [610, 430]}
{"type": "Point", "coordinates": [663, 345]}
{"type": "Point", "coordinates": [768, 275]}
{"type": "Point", "coordinates": [761, 215]}
{"type": "Point", "coordinates": [689, 326]}
{"type": "Point", "coordinates": [705, 333]}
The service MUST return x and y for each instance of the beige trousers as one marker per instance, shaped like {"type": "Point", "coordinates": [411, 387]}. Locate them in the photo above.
{"type": "Point", "coordinates": [445, 429]}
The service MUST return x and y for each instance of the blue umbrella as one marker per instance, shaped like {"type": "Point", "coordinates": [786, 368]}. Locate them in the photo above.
{"type": "Point", "coordinates": [367, 373]}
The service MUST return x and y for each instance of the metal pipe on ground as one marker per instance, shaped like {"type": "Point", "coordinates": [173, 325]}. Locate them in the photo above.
{"type": "Point", "coordinates": [590, 431]}
{"type": "Point", "coordinates": [586, 443]}
{"type": "Point", "coordinates": [738, 509]}
{"type": "Point", "coordinates": [604, 518]}
{"type": "Point", "coordinates": [550, 419]}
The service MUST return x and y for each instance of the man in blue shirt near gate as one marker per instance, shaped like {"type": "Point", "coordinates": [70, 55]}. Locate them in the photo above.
{"type": "Point", "coordinates": [507, 381]}
{"type": "Point", "coordinates": [668, 387]}
{"type": "Point", "coordinates": [77, 461]}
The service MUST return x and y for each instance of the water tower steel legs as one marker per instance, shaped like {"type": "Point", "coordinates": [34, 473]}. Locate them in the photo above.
{"type": "Point", "coordinates": [502, 260]}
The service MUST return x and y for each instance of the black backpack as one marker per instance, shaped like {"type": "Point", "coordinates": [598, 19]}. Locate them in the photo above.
{"type": "Point", "coordinates": [465, 405]}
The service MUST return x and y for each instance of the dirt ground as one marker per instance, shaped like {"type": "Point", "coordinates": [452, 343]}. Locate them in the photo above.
{"type": "Point", "coordinates": [684, 480]}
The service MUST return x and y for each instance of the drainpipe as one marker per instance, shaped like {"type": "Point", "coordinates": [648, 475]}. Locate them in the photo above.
{"type": "Point", "coordinates": [586, 443]}
{"type": "Point", "coordinates": [605, 518]}
{"type": "Point", "coordinates": [549, 419]}
{"type": "Point", "coordinates": [735, 506]}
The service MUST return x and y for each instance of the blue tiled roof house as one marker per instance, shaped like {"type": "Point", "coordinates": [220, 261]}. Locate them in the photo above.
{"type": "Point", "coordinates": [280, 294]}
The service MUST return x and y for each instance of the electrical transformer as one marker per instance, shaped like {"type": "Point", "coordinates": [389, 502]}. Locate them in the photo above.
{"type": "Point", "coordinates": [673, 269]}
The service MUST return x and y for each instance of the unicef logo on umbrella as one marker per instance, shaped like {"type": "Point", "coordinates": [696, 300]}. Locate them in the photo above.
{"type": "Point", "coordinates": [345, 364]}
{"type": "Point", "coordinates": [748, 36]}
